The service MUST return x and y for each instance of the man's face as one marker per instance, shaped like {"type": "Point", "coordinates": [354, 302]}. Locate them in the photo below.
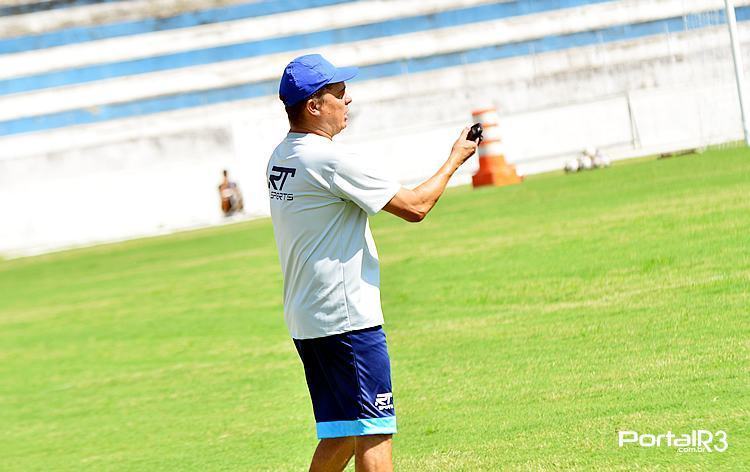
{"type": "Point", "coordinates": [334, 107]}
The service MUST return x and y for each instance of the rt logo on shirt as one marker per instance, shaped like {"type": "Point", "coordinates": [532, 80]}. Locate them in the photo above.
{"type": "Point", "coordinates": [279, 175]}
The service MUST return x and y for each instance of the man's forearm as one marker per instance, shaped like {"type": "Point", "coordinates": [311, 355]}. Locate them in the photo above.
{"type": "Point", "coordinates": [429, 191]}
{"type": "Point", "coordinates": [413, 205]}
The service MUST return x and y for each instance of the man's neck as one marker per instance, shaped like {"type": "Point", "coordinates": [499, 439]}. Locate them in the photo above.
{"type": "Point", "coordinates": [309, 129]}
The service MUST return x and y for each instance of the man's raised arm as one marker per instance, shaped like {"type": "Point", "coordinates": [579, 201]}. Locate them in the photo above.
{"type": "Point", "coordinates": [413, 205]}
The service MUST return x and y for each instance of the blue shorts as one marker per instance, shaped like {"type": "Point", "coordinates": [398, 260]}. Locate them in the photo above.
{"type": "Point", "coordinates": [349, 378]}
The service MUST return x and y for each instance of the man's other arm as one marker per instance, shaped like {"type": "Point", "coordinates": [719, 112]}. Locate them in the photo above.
{"type": "Point", "coordinates": [413, 205]}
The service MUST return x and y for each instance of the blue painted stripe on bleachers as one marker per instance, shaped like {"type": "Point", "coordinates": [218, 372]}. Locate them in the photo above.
{"type": "Point", "coordinates": [411, 66]}
{"type": "Point", "coordinates": [140, 107]}
{"type": "Point", "coordinates": [184, 20]}
{"type": "Point", "coordinates": [36, 7]}
{"type": "Point", "coordinates": [445, 19]}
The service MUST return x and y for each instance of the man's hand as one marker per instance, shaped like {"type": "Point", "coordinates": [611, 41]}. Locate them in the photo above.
{"type": "Point", "coordinates": [463, 148]}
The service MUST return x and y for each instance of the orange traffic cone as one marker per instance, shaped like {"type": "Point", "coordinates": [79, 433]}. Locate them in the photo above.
{"type": "Point", "coordinates": [493, 170]}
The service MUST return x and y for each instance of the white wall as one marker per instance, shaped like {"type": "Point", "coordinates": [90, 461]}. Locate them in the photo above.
{"type": "Point", "coordinates": [136, 187]}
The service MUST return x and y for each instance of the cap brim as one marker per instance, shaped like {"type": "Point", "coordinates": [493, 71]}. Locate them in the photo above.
{"type": "Point", "coordinates": [343, 74]}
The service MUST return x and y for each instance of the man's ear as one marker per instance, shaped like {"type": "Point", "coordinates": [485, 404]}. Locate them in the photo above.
{"type": "Point", "coordinates": [312, 107]}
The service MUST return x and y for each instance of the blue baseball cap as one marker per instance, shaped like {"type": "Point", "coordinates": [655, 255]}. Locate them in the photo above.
{"type": "Point", "coordinates": [307, 74]}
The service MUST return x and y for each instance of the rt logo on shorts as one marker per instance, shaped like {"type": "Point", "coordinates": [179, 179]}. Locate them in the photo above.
{"type": "Point", "coordinates": [280, 178]}
{"type": "Point", "coordinates": [384, 401]}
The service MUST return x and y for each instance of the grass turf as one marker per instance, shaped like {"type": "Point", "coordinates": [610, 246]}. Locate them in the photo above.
{"type": "Point", "coordinates": [526, 326]}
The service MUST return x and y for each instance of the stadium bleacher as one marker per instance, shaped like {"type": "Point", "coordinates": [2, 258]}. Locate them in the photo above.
{"type": "Point", "coordinates": [20, 7]}
{"type": "Point", "coordinates": [174, 91]}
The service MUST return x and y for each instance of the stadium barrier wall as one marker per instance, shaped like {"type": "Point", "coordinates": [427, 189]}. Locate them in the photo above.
{"type": "Point", "coordinates": [157, 185]}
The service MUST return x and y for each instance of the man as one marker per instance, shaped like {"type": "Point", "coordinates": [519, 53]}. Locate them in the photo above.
{"type": "Point", "coordinates": [231, 197]}
{"type": "Point", "coordinates": [321, 197]}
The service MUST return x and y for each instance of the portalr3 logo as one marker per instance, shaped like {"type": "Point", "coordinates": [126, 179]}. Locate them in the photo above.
{"type": "Point", "coordinates": [700, 440]}
{"type": "Point", "coordinates": [384, 401]}
{"type": "Point", "coordinates": [279, 177]}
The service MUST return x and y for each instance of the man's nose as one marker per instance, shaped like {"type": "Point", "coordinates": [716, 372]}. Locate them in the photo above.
{"type": "Point", "coordinates": [347, 99]}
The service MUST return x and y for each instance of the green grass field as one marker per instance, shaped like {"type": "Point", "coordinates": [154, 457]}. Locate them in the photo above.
{"type": "Point", "coordinates": [526, 325]}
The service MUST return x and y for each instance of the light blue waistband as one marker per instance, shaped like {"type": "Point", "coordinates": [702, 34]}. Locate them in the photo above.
{"type": "Point", "coordinates": [340, 429]}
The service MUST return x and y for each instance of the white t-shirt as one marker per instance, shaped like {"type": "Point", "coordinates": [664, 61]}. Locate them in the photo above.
{"type": "Point", "coordinates": [321, 196]}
